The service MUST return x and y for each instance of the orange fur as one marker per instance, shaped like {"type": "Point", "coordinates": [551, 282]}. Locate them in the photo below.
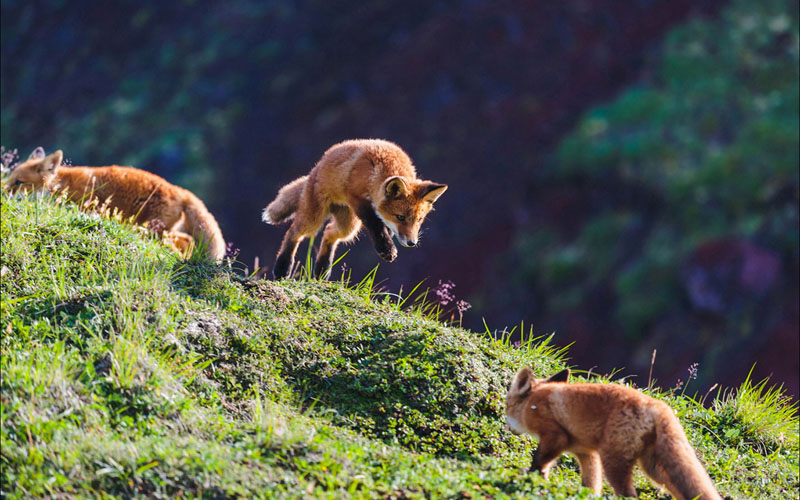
{"type": "Point", "coordinates": [366, 182]}
{"type": "Point", "coordinates": [609, 428]}
{"type": "Point", "coordinates": [135, 193]}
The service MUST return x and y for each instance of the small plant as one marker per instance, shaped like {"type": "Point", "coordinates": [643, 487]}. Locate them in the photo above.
{"type": "Point", "coordinates": [8, 160]}
{"type": "Point", "coordinates": [758, 415]}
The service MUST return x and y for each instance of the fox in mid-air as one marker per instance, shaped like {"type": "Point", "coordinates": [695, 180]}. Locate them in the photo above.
{"type": "Point", "coordinates": [609, 428]}
{"type": "Point", "coordinates": [136, 194]}
{"type": "Point", "coordinates": [367, 182]}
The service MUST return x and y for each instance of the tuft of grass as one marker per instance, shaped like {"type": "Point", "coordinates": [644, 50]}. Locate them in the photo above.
{"type": "Point", "coordinates": [759, 416]}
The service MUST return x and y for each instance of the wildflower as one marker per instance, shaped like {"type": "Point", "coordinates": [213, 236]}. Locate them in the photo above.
{"type": "Point", "coordinates": [231, 252]}
{"type": "Point", "coordinates": [444, 292]}
{"type": "Point", "coordinates": [157, 226]}
{"type": "Point", "coordinates": [8, 159]}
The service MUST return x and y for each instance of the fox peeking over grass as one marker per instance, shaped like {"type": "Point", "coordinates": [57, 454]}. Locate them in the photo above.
{"type": "Point", "coordinates": [367, 182]}
{"type": "Point", "coordinates": [136, 194]}
{"type": "Point", "coordinates": [609, 428]}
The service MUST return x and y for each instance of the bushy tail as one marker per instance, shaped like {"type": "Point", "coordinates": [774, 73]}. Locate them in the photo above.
{"type": "Point", "coordinates": [203, 227]}
{"type": "Point", "coordinates": [285, 204]}
{"type": "Point", "coordinates": [674, 464]}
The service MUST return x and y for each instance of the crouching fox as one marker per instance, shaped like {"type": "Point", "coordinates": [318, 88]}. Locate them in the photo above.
{"type": "Point", "coordinates": [365, 182]}
{"type": "Point", "coordinates": [137, 194]}
{"type": "Point", "coordinates": [609, 428]}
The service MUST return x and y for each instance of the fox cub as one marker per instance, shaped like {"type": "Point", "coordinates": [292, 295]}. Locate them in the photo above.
{"type": "Point", "coordinates": [609, 428]}
{"type": "Point", "coordinates": [135, 193]}
{"type": "Point", "coordinates": [367, 182]}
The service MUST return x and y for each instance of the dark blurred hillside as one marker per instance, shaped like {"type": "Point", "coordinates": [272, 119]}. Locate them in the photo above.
{"type": "Point", "coordinates": [233, 99]}
{"type": "Point", "coordinates": [668, 218]}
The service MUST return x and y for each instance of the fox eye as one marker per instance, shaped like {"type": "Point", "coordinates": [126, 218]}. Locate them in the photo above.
{"type": "Point", "coordinates": [401, 218]}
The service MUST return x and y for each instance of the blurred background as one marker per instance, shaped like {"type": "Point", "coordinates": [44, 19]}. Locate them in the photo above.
{"type": "Point", "coordinates": [622, 173]}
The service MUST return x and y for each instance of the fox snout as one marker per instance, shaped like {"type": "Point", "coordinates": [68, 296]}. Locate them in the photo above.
{"type": "Point", "coordinates": [407, 242]}
{"type": "Point", "coordinates": [512, 426]}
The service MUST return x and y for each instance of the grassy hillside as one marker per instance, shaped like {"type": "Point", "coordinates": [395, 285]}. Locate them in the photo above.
{"type": "Point", "coordinates": [128, 372]}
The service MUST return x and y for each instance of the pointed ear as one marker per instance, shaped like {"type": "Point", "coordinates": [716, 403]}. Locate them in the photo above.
{"type": "Point", "coordinates": [562, 376]}
{"type": "Point", "coordinates": [37, 153]}
{"type": "Point", "coordinates": [522, 382]}
{"type": "Point", "coordinates": [432, 191]}
{"type": "Point", "coordinates": [50, 163]}
{"type": "Point", "coordinates": [395, 187]}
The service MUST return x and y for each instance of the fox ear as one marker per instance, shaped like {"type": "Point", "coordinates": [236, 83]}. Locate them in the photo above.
{"type": "Point", "coordinates": [50, 163]}
{"type": "Point", "coordinates": [562, 376]}
{"type": "Point", "coordinates": [37, 153]}
{"type": "Point", "coordinates": [395, 187]}
{"type": "Point", "coordinates": [522, 382]}
{"type": "Point", "coordinates": [432, 191]}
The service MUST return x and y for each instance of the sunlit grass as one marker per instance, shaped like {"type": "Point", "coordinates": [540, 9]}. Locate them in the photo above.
{"type": "Point", "coordinates": [130, 371]}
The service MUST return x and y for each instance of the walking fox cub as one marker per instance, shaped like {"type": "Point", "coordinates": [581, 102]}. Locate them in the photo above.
{"type": "Point", "coordinates": [609, 428]}
{"type": "Point", "coordinates": [364, 181]}
{"type": "Point", "coordinates": [135, 193]}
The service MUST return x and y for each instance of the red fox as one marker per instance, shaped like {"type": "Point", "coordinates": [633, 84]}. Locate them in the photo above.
{"type": "Point", "coordinates": [609, 428]}
{"type": "Point", "coordinates": [364, 181]}
{"type": "Point", "coordinates": [135, 193]}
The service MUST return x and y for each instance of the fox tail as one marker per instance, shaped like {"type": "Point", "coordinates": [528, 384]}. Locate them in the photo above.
{"type": "Point", "coordinates": [674, 464]}
{"type": "Point", "coordinates": [285, 204]}
{"type": "Point", "coordinates": [203, 227]}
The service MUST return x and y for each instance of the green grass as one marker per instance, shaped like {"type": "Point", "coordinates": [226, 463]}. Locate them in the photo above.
{"type": "Point", "coordinates": [127, 371]}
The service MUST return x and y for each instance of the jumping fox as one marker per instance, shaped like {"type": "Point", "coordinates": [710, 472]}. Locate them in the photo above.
{"type": "Point", "coordinates": [609, 428]}
{"type": "Point", "coordinates": [365, 181]}
{"type": "Point", "coordinates": [137, 194]}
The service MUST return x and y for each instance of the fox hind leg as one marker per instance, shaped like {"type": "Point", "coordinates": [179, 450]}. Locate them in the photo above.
{"type": "Point", "coordinates": [308, 218]}
{"type": "Point", "coordinates": [619, 472]}
{"type": "Point", "coordinates": [343, 227]}
{"type": "Point", "coordinates": [285, 259]}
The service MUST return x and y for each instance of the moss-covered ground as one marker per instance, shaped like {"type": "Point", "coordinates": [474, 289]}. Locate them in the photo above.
{"type": "Point", "coordinates": [127, 371]}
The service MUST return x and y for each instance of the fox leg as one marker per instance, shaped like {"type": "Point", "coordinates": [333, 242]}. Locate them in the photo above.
{"type": "Point", "coordinates": [307, 220]}
{"type": "Point", "coordinates": [344, 227]}
{"type": "Point", "coordinates": [378, 231]}
{"type": "Point", "coordinates": [547, 453]}
{"type": "Point", "coordinates": [181, 242]}
{"type": "Point", "coordinates": [285, 258]}
{"type": "Point", "coordinates": [619, 472]}
{"type": "Point", "coordinates": [591, 470]}
{"type": "Point", "coordinates": [175, 235]}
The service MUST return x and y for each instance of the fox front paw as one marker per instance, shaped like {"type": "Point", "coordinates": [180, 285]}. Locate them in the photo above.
{"type": "Point", "coordinates": [388, 252]}
{"type": "Point", "coordinates": [544, 471]}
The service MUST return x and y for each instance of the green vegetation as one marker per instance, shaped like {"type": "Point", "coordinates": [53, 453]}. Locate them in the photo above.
{"type": "Point", "coordinates": [704, 148]}
{"type": "Point", "coordinates": [128, 372]}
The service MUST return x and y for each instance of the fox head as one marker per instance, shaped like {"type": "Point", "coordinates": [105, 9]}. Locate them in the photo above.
{"type": "Point", "coordinates": [35, 173]}
{"type": "Point", "coordinates": [403, 205]}
{"type": "Point", "coordinates": [521, 399]}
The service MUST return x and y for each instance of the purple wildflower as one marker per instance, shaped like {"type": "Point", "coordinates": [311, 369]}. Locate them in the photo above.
{"type": "Point", "coordinates": [231, 252]}
{"type": "Point", "coordinates": [693, 371]}
{"type": "Point", "coordinates": [157, 226]}
{"type": "Point", "coordinates": [444, 292]}
{"type": "Point", "coordinates": [8, 159]}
